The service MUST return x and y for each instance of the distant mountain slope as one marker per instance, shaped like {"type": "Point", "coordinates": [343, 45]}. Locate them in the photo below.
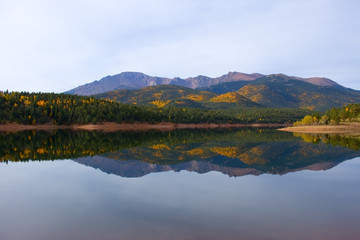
{"type": "Point", "coordinates": [125, 80]}
{"type": "Point", "coordinates": [275, 91]}
{"type": "Point", "coordinates": [225, 87]}
{"type": "Point", "coordinates": [232, 86]}
{"type": "Point", "coordinates": [136, 80]}
{"type": "Point", "coordinates": [170, 95]}
{"type": "Point", "coordinates": [283, 91]}
{"type": "Point", "coordinates": [232, 90]}
{"type": "Point", "coordinates": [203, 81]}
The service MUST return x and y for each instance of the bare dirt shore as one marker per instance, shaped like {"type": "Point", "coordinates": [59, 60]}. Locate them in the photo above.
{"type": "Point", "coordinates": [348, 128]}
{"type": "Point", "coordinates": [112, 127]}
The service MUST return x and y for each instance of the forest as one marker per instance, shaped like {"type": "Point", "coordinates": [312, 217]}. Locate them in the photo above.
{"type": "Point", "coordinates": [347, 113]}
{"type": "Point", "coordinates": [65, 109]}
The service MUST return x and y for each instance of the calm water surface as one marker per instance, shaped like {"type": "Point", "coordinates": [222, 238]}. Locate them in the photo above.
{"type": "Point", "coordinates": [222, 184]}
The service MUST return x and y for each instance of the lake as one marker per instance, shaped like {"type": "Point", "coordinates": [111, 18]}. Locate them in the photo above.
{"type": "Point", "coordinates": [183, 184]}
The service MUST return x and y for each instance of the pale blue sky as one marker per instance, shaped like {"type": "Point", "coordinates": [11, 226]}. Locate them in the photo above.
{"type": "Point", "coordinates": [51, 45]}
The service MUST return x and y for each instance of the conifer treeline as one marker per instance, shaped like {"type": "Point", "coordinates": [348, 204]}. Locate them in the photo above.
{"type": "Point", "coordinates": [64, 109]}
{"type": "Point", "coordinates": [40, 108]}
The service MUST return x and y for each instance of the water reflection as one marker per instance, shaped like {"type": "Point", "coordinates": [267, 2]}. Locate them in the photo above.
{"type": "Point", "coordinates": [43, 200]}
{"type": "Point", "coordinates": [234, 152]}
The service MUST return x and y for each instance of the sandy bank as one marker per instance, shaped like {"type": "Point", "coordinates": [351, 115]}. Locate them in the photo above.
{"type": "Point", "coordinates": [349, 128]}
{"type": "Point", "coordinates": [112, 127]}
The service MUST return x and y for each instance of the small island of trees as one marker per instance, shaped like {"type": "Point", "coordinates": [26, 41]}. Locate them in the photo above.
{"type": "Point", "coordinates": [346, 114]}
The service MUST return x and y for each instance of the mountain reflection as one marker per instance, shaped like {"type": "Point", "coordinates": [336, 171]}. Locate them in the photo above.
{"type": "Point", "coordinates": [235, 152]}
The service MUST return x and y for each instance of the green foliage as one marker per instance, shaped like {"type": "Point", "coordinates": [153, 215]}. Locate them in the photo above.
{"type": "Point", "coordinates": [268, 115]}
{"type": "Point", "coordinates": [307, 120]}
{"type": "Point", "coordinates": [348, 113]}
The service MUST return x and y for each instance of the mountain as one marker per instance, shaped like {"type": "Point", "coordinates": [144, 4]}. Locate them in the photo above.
{"type": "Point", "coordinates": [229, 86]}
{"type": "Point", "coordinates": [203, 81]}
{"type": "Point", "coordinates": [171, 95]}
{"type": "Point", "coordinates": [283, 91]}
{"type": "Point", "coordinates": [136, 80]}
{"type": "Point", "coordinates": [232, 90]}
{"type": "Point", "coordinates": [125, 80]}
{"type": "Point", "coordinates": [274, 91]}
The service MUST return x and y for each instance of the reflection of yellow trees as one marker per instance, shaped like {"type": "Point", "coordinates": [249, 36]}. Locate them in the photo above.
{"type": "Point", "coordinates": [351, 142]}
{"type": "Point", "coordinates": [230, 152]}
{"type": "Point", "coordinates": [195, 151]}
{"type": "Point", "coordinates": [158, 154]}
{"type": "Point", "coordinates": [177, 145]}
{"type": "Point", "coordinates": [160, 147]}
{"type": "Point", "coordinates": [310, 138]}
{"type": "Point", "coordinates": [254, 156]}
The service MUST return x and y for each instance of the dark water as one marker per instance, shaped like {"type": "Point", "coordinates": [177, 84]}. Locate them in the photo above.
{"type": "Point", "coordinates": [198, 184]}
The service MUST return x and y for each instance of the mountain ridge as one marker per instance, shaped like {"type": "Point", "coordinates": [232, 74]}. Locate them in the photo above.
{"type": "Point", "coordinates": [137, 80]}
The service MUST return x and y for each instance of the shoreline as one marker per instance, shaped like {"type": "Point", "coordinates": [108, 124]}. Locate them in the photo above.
{"type": "Point", "coordinates": [113, 127]}
{"type": "Point", "coordinates": [345, 128]}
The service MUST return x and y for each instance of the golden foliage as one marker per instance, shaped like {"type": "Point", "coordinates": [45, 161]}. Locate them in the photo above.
{"type": "Point", "coordinates": [252, 92]}
{"type": "Point", "coordinates": [195, 97]}
{"type": "Point", "coordinates": [158, 95]}
{"type": "Point", "coordinates": [41, 103]}
{"type": "Point", "coordinates": [41, 150]}
{"type": "Point", "coordinates": [159, 103]}
{"type": "Point", "coordinates": [27, 102]}
{"type": "Point", "coordinates": [230, 97]}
